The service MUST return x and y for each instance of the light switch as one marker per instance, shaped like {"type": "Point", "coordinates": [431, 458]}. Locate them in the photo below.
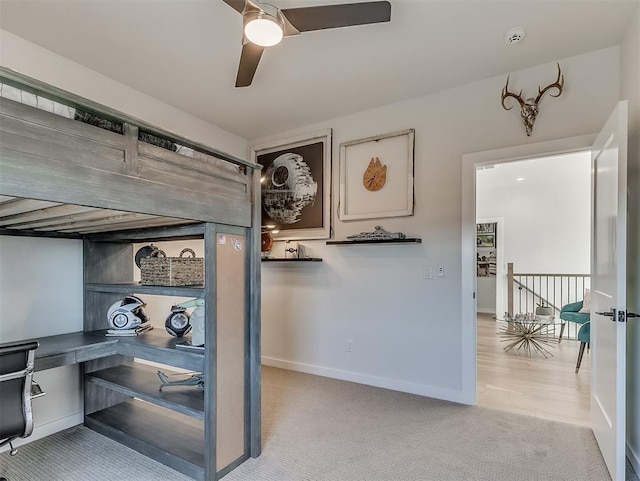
{"type": "Point", "coordinates": [440, 271]}
{"type": "Point", "coordinates": [426, 272]}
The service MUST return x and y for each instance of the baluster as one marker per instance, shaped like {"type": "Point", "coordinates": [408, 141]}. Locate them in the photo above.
{"type": "Point", "coordinates": [510, 288]}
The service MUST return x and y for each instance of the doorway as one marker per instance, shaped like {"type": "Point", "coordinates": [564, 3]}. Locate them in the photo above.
{"type": "Point", "coordinates": [534, 214]}
{"type": "Point", "coordinates": [472, 163]}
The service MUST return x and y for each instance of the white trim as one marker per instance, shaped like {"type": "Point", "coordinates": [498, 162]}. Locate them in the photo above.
{"type": "Point", "coordinates": [48, 429]}
{"type": "Point", "coordinates": [382, 382]}
{"type": "Point", "coordinates": [470, 162]}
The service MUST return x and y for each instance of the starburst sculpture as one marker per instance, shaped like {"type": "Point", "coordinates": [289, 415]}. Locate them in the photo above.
{"type": "Point", "coordinates": [527, 334]}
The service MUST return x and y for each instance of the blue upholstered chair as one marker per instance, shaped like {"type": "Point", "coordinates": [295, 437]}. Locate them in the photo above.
{"type": "Point", "coordinates": [584, 336]}
{"type": "Point", "coordinates": [570, 313]}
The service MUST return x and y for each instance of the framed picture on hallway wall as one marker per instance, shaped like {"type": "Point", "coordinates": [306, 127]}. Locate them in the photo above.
{"type": "Point", "coordinates": [296, 186]}
{"type": "Point", "coordinates": [485, 240]}
{"type": "Point", "coordinates": [486, 228]}
{"type": "Point", "coordinates": [376, 176]}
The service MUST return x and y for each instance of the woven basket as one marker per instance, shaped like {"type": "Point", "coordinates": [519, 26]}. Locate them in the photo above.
{"type": "Point", "coordinates": [160, 270]}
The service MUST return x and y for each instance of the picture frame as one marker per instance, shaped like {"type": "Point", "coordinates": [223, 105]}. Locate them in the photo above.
{"type": "Point", "coordinates": [486, 228]}
{"type": "Point", "coordinates": [485, 240]}
{"type": "Point", "coordinates": [376, 176]}
{"type": "Point", "coordinates": [486, 265]}
{"type": "Point", "coordinates": [296, 186]}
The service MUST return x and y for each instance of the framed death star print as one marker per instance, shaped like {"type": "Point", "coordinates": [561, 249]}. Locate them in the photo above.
{"type": "Point", "coordinates": [295, 185]}
{"type": "Point", "coordinates": [376, 176]}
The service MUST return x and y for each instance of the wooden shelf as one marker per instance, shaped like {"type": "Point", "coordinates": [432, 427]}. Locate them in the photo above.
{"type": "Point", "coordinates": [292, 259]}
{"type": "Point", "coordinates": [137, 288]}
{"type": "Point", "coordinates": [141, 381]}
{"type": "Point", "coordinates": [408, 240]}
{"type": "Point", "coordinates": [170, 438]}
{"type": "Point", "coordinates": [158, 346]}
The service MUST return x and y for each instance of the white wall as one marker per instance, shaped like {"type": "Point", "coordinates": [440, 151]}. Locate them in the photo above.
{"type": "Point", "coordinates": [406, 330]}
{"type": "Point", "coordinates": [547, 216]}
{"type": "Point", "coordinates": [41, 295]}
{"type": "Point", "coordinates": [486, 294]}
{"type": "Point", "coordinates": [40, 310]}
{"type": "Point", "coordinates": [630, 90]}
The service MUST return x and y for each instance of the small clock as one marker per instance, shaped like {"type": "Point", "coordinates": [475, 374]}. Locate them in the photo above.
{"type": "Point", "coordinates": [375, 176]}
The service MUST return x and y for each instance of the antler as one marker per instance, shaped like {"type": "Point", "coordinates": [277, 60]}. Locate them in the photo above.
{"type": "Point", "coordinates": [506, 93]}
{"type": "Point", "coordinates": [559, 84]}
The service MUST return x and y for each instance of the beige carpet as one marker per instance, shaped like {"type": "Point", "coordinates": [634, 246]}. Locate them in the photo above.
{"type": "Point", "coordinates": [317, 429]}
{"type": "Point", "coordinates": [322, 429]}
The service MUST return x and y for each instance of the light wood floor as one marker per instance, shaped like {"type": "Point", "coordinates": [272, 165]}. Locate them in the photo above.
{"type": "Point", "coordinates": [545, 388]}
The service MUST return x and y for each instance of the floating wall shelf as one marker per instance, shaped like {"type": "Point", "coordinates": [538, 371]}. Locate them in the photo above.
{"type": "Point", "coordinates": [408, 240]}
{"type": "Point", "coordinates": [292, 259]}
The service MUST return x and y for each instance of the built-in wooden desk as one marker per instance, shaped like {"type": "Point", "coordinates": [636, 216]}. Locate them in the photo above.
{"type": "Point", "coordinates": [72, 348]}
{"type": "Point", "coordinates": [77, 347]}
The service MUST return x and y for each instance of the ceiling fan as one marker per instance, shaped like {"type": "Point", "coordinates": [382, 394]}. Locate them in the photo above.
{"type": "Point", "coordinates": [266, 25]}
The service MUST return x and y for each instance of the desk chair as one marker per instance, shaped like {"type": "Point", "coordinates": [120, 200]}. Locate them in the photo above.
{"type": "Point", "coordinates": [16, 378]}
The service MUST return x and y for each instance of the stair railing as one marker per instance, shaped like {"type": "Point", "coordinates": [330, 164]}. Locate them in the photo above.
{"type": "Point", "coordinates": [525, 291]}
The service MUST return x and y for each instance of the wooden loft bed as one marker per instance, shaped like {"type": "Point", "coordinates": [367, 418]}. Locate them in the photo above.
{"type": "Point", "coordinates": [51, 158]}
{"type": "Point", "coordinates": [64, 178]}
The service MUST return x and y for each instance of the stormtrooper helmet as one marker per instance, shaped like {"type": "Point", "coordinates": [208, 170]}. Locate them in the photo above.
{"type": "Point", "coordinates": [127, 313]}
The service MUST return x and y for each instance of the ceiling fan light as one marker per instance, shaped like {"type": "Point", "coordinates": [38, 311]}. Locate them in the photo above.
{"type": "Point", "coordinates": [263, 29]}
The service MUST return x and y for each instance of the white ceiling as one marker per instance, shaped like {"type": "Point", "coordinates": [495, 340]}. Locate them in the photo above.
{"type": "Point", "coordinates": [185, 52]}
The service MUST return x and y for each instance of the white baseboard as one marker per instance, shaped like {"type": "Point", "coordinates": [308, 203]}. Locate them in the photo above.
{"type": "Point", "coordinates": [487, 310]}
{"type": "Point", "coordinates": [387, 383]}
{"type": "Point", "coordinates": [634, 459]}
{"type": "Point", "coordinates": [47, 429]}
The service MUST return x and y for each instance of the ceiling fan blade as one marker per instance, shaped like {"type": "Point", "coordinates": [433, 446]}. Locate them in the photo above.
{"type": "Point", "coordinates": [242, 6]}
{"type": "Point", "coordinates": [237, 5]}
{"type": "Point", "coordinates": [306, 19]}
{"type": "Point", "coordinates": [249, 59]}
{"type": "Point", "coordinates": [289, 29]}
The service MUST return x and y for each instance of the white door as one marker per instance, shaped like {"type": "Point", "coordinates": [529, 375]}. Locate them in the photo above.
{"type": "Point", "coordinates": [608, 286]}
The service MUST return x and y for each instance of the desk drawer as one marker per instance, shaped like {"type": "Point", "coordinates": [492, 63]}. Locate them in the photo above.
{"type": "Point", "coordinates": [96, 351]}
{"type": "Point", "coordinates": [56, 360]}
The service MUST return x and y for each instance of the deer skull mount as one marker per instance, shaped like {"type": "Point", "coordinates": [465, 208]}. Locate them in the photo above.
{"type": "Point", "coordinates": [529, 107]}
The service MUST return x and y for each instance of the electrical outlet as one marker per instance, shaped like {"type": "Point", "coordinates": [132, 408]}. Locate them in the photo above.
{"type": "Point", "coordinates": [349, 345]}
{"type": "Point", "coordinates": [440, 271]}
{"type": "Point", "coordinates": [426, 272]}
